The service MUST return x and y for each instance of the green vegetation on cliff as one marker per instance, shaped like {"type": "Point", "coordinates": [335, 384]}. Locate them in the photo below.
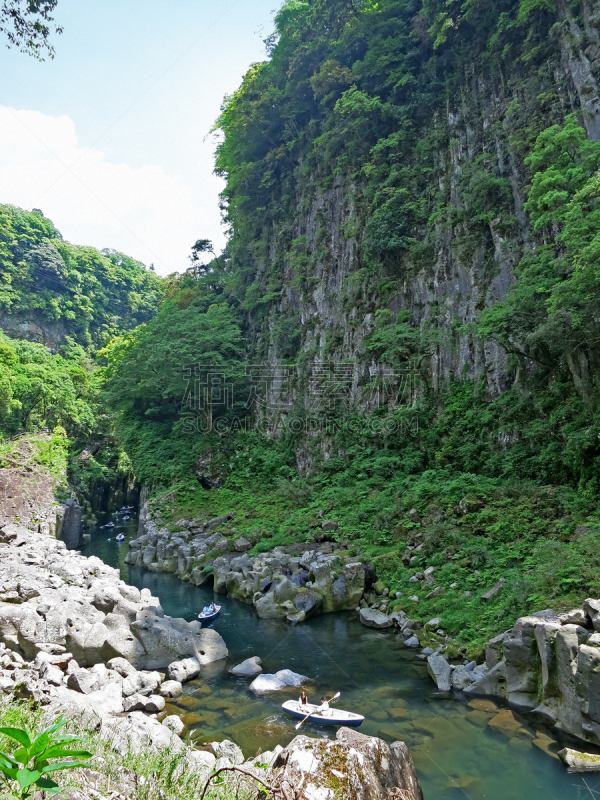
{"type": "Point", "coordinates": [65, 289]}
{"type": "Point", "coordinates": [71, 300]}
{"type": "Point", "coordinates": [40, 389]}
{"type": "Point", "coordinates": [355, 96]}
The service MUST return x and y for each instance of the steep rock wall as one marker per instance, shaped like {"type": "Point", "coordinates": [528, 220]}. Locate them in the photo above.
{"type": "Point", "coordinates": [483, 134]}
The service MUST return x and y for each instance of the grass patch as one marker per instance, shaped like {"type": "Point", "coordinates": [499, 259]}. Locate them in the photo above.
{"type": "Point", "coordinates": [145, 775]}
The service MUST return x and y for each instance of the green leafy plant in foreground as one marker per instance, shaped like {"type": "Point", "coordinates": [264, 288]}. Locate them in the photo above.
{"type": "Point", "coordinates": [29, 766]}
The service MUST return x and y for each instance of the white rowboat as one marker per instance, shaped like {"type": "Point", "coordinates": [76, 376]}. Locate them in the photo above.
{"type": "Point", "coordinates": [333, 716]}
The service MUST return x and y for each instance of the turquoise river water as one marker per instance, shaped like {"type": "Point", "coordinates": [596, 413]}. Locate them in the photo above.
{"type": "Point", "coordinates": [461, 749]}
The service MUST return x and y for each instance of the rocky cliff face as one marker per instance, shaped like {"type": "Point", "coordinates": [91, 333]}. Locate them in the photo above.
{"type": "Point", "coordinates": [551, 665]}
{"type": "Point", "coordinates": [479, 139]}
{"type": "Point", "coordinates": [34, 328]}
{"type": "Point", "coordinates": [28, 492]}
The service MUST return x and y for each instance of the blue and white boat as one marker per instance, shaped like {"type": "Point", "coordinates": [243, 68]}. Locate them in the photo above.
{"type": "Point", "coordinates": [207, 613]}
{"type": "Point", "coordinates": [332, 716]}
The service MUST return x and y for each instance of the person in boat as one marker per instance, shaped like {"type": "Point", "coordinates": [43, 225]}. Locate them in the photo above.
{"type": "Point", "coordinates": [325, 711]}
{"type": "Point", "coordinates": [212, 607]}
{"type": "Point", "coordinates": [303, 701]}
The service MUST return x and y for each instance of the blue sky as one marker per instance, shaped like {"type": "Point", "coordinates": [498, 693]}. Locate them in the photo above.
{"type": "Point", "coordinates": [111, 138]}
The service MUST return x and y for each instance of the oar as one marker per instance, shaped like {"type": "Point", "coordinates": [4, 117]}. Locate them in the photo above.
{"type": "Point", "coordinates": [301, 723]}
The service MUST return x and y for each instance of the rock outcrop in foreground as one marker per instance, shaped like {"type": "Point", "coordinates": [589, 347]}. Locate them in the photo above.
{"type": "Point", "coordinates": [352, 765]}
{"type": "Point", "coordinates": [550, 664]}
{"type": "Point", "coordinates": [56, 601]}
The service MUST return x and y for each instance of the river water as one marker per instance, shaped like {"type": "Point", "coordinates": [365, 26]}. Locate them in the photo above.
{"type": "Point", "coordinates": [461, 749]}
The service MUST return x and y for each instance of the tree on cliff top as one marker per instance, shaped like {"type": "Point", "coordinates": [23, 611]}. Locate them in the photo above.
{"type": "Point", "coordinates": [27, 24]}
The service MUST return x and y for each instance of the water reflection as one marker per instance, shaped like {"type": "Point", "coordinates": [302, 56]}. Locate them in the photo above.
{"type": "Point", "coordinates": [461, 750]}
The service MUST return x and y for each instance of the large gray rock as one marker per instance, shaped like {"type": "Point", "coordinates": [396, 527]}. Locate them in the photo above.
{"type": "Point", "coordinates": [144, 683]}
{"type": "Point", "coordinates": [242, 544]}
{"type": "Point", "coordinates": [580, 762]}
{"type": "Point", "coordinates": [267, 607]}
{"type": "Point", "coordinates": [461, 678]}
{"type": "Point", "coordinates": [171, 689]}
{"type": "Point", "coordinates": [102, 703]}
{"type": "Point", "coordinates": [228, 750]}
{"type": "Point", "coordinates": [72, 526]}
{"type": "Point", "coordinates": [155, 704]}
{"type": "Point", "coordinates": [360, 767]}
{"type": "Point", "coordinates": [492, 684]}
{"type": "Point", "coordinates": [576, 616]}
{"type": "Point", "coordinates": [522, 659]}
{"type": "Point", "coordinates": [248, 668]}
{"type": "Point", "coordinates": [83, 681]}
{"type": "Point", "coordinates": [281, 679]}
{"type": "Point", "coordinates": [587, 692]}
{"type": "Point", "coordinates": [592, 610]}
{"type": "Point", "coordinates": [185, 670]}
{"type": "Point", "coordinates": [53, 675]}
{"type": "Point", "coordinates": [375, 619]}
{"type": "Point", "coordinates": [120, 665]}
{"type": "Point", "coordinates": [163, 639]}
{"type": "Point", "coordinates": [134, 702]}
{"type": "Point", "coordinates": [137, 733]}
{"type": "Point", "coordinates": [551, 666]}
{"type": "Point", "coordinates": [493, 651]}
{"type": "Point", "coordinates": [174, 724]}
{"type": "Point", "coordinates": [440, 671]}
{"type": "Point", "coordinates": [106, 596]}
{"type": "Point", "coordinates": [341, 587]}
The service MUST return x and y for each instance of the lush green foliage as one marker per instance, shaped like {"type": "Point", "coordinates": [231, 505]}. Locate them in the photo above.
{"type": "Point", "coordinates": [67, 289]}
{"type": "Point", "coordinates": [550, 317]}
{"type": "Point", "coordinates": [164, 378]}
{"type": "Point", "coordinates": [351, 100]}
{"type": "Point", "coordinates": [40, 389]}
{"type": "Point", "coordinates": [29, 766]}
{"type": "Point", "coordinates": [76, 300]}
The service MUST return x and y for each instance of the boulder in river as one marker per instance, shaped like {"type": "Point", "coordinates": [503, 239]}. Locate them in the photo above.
{"type": "Point", "coordinates": [352, 765]}
{"type": "Point", "coordinates": [185, 670]}
{"type": "Point", "coordinates": [440, 670]}
{"type": "Point", "coordinates": [248, 668]}
{"type": "Point", "coordinates": [462, 677]}
{"type": "Point", "coordinates": [171, 689]}
{"type": "Point", "coordinates": [174, 724]}
{"type": "Point", "coordinates": [281, 679]}
{"type": "Point", "coordinates": [375, 619]}
{"type": "Point", "coordinates": [580, 762]}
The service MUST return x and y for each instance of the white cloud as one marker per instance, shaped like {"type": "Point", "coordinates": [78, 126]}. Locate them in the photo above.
{"type": "Point", "coordinates": [142, 211]}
